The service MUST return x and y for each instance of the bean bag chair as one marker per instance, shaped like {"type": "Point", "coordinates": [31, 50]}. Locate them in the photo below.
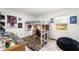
{"type": "Point", "coordinates": [68, 44]}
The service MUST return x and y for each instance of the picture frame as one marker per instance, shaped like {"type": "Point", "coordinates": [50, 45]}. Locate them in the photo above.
{"type": "Point", "coordinates": [2, 17]}
{"type": "Point", "coordinates": [11, 20]}
{"type": "Point", "coordinates": [19, 25]}
{"type": "Point", "coordinates": [73, 19]}
{"type": "Point", "coordinates": [52, 20]}
{"type": "Point", "coordinates": [29, 26]}
{"type": "Point", "coordinates": [2, 23]}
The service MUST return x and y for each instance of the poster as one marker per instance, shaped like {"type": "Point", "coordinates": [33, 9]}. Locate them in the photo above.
{"type": "Point", "coordinates": [61, 27]}
{"type": "Point", "coordinates": [73, 19]}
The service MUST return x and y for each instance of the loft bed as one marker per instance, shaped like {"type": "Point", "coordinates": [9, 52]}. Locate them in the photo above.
{"type": "Point", "coordinates": [34, 41]}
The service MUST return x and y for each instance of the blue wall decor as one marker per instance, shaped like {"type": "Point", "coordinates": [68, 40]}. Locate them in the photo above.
{"type": "Point", "coordinates": [52, 20]}
{"type": "Point", "coordinates": [73, 19]}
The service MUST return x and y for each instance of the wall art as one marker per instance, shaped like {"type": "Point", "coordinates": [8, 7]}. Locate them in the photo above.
{"type": "Point", "coordinates": [73, 19]}
{"type": "Point", "coordinates": [29, 26]}
{"type": "Point", "coordinates": [61, 27]}
{"type": "Point", "coordinates": [52, 20]}
{"type": "Point", "coordinates": [2, 17]}
{"type": "Point", "coordinates": [19, 25]}
{"type": "Point", "coordinates": [2, 23]}
{"type": "Point", "coordinates": [12, 20]}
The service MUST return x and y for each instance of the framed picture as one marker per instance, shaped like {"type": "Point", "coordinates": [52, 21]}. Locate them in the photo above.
{"type": "Point", "coordinates": [19, 25]}
{"type": "Point", "coordinates": [29, 26]}
{"type": "Point", "coordinates": [52, 20]}
{"type": "Point", "coordinates": [12, 20]}
{"type": "Point", "coordinates": [2, 17]}
{"type": "Point", "coordinates": [73, 19]}
{"type": "Point", "coordinates": [61, 27]}
{"type": "Point", "coordinates": [2, 23]}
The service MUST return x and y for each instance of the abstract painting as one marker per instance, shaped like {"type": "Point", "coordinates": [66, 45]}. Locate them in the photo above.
{"type": "Point", "coordinates": [12, 20]}
{"type": "Point", "coordinates": [73, 19]}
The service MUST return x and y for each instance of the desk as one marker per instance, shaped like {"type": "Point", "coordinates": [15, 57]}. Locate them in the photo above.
{"type": "Point", "coordinates": [13, 47]}
{"type": "Point", "coordinates": [17, 47]}
{"type": "Point", "coordinates": [2, 46]}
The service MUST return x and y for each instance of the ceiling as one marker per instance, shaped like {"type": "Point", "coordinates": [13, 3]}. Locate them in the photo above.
{"type": "Point", "coordinates": [36, 11]}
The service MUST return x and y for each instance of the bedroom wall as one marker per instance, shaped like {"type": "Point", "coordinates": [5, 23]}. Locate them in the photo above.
{"type": "Point", "coordinates": [21, 32]}
{"type": "Point", "coordinates": [63, 16]}
{"type": "Point", "coordinates": [72, 29]}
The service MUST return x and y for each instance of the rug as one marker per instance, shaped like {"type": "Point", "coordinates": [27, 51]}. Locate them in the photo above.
{"type": "Point", "coordinates": [33, 42]}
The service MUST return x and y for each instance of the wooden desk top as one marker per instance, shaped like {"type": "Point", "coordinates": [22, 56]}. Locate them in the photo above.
{"type": "Point", "coordinates": [17, 47]}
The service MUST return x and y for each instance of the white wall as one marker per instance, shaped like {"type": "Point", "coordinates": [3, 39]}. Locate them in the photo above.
{"type": "Point", "coordinates": [20, 32]}
{"type": "Point", "coordinates": [72, 29]}
{"type": "Point", "coordinates": [62, 16]}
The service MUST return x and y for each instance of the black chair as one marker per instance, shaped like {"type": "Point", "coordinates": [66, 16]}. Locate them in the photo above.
{"type": "Point", "coordinates": [68, 44]}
